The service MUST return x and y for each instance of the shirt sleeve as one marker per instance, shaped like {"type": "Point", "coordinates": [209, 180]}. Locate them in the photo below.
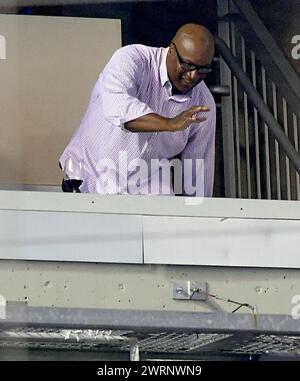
{"type": "Point", "coordinates": [119, 84]}
{"type": "Point", "coordinates": [198, 157]}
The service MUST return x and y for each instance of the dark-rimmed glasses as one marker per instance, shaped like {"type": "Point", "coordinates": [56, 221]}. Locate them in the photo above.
{"type": "Point", "coordinates": [201, 69]}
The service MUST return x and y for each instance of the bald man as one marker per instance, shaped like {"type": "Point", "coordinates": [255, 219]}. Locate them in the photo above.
{"type": "Point", "coordinates": [150, 125]}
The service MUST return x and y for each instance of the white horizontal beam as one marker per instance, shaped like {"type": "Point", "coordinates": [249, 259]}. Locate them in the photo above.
{"type": "Point", "coordinates": [149, 206]}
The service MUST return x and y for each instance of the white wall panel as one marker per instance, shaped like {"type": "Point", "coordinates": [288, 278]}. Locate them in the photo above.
{"type": "Point", "coordinates": [63, 236]}
{"type": "Point", "coordinates": [222, 242]}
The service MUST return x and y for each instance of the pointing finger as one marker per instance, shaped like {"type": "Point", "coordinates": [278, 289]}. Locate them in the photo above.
{"type": "Point", "coordinates": [199, 109]}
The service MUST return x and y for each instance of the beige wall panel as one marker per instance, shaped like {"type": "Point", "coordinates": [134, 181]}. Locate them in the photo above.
{"type": "Point", "coordinates": [46, 78]}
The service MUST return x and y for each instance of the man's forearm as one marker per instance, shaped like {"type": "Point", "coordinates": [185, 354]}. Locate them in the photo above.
{"type": "Point", "coordinates": [156, 123]}
{"type": "Point", "coordinates": [148, 123]}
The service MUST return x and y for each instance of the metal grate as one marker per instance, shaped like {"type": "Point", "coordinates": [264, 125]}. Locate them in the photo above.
{"type": "Point", "coordinates": [178, 342]}
{"type": "Point", "coordinates": [96, 339]}
{"type": "Point", "coordinates": [267, 344]}
{"type": "Point", "coordinates": [162, 342]}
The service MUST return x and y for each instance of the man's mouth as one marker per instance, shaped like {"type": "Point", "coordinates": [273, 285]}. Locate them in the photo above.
{"type": "Point", "coordinates": [187, 83]}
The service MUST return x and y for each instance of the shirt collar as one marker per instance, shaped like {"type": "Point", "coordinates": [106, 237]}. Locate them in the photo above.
{"type": "Point", "coordinates": [164, 78]}
{"type": "Point", "coordinates": [163, 67]}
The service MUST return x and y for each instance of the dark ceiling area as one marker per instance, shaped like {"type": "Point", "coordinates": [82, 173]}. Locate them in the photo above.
{"type": "Point", "coordinates": [151, 23]}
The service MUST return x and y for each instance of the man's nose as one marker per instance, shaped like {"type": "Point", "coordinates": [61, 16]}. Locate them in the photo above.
{"type": "Point", "coordinates": [193, 75]}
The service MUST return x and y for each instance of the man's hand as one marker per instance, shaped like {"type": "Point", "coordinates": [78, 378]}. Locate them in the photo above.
{"type": "Point", "coordinates": [186, 118]}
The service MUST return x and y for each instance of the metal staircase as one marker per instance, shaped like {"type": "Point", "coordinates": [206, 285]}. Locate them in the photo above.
{"type": "Point", "coordinates": [261, 115]}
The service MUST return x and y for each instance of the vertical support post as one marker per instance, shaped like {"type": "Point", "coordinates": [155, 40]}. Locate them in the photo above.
{"type": "Point", "coordinates": [295, 124]}
{"type": "Point", "coordinates": [134, 351]}
{"type": "Point", "coordinates": [227, 112]}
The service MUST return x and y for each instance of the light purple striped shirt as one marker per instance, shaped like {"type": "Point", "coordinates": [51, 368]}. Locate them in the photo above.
{"type": "Point", "coordinates": [135, 83]}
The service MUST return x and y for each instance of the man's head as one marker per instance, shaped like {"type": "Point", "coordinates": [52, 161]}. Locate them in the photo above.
{"type": "Point", "coordinates": [189, 57]}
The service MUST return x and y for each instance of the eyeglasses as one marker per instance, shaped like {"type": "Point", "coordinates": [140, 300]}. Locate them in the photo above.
{"type": "Point", "coordinates": [201, 69]}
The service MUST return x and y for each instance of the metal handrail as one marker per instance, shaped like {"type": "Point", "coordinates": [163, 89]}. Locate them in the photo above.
{"type": "Point", "coordinates": [257, 100]}
{"type": "Point", "coordinates": [289, 79]}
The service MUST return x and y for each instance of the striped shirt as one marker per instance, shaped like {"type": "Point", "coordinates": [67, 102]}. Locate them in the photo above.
{"type": "Point", "coordinates": [135, 83]}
